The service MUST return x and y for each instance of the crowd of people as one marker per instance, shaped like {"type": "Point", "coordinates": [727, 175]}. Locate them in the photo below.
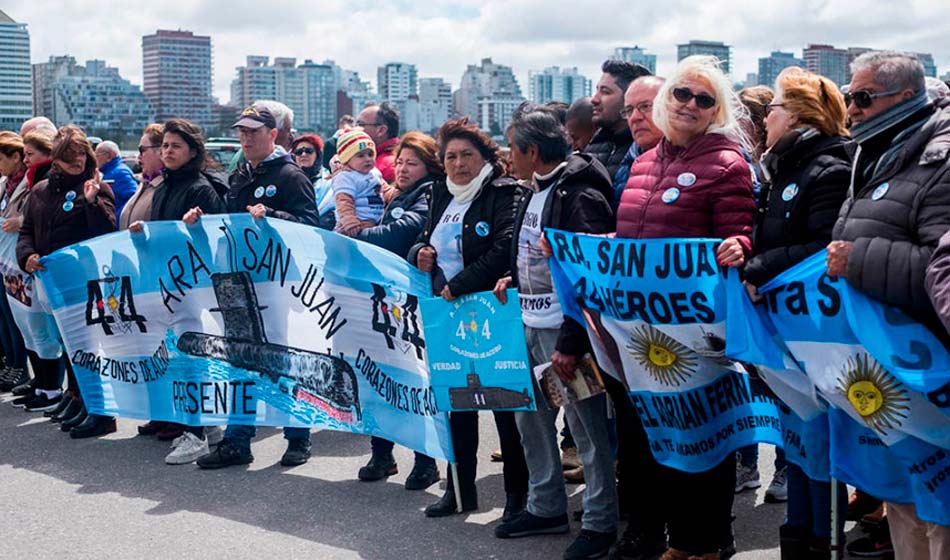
{"type": "Point", "coordinates": [777, 173]}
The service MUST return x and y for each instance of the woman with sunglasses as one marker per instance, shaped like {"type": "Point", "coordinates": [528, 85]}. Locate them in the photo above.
{"type": "Point", "coordinates": [807, 170]}
{"type": "Point", "coordinates": [694, 183]}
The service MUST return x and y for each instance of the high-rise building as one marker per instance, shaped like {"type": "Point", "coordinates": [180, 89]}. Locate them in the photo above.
{"type": "Point", "coordinates": [176, 69]}
{"type": "Point", "coordinates": [927, 60]}
{"type": "Point", "coordinates": [16, 83]}
{"type": "Point", "coordinates": [308, 89]}
{"type": "Point", "coordinates": [398, 84]}
{"type": "Point", "coordinates": [93, 96]}
{"type": "Point", "coordinates": [772, 65]}
{"type": "Point", "coordinates": [636, 55]}
{"type": "Point", "coordinates": [556, 84]}
{"type": "Point", "coordinates": [717, 49]}
{"type": "Point", "coordinates": [435, 103]}
{"type": "Point", "coordinates": [486, 94]}
{"type": "Point", "coordinates": [828, 61]}
{"type": "Point", "coordinates": [946, 77]}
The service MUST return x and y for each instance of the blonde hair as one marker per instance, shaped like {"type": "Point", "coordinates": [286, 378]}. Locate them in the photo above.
{"type": "Point", "coordinates": [813, 99]}
{"type": "Point", "coordinates": [729, 109]}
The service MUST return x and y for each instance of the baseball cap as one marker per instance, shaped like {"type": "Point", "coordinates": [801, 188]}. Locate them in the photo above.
{"type": "Point", "coordinates": [256, 117]}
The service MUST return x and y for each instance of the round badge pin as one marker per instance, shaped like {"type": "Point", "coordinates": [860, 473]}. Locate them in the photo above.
{"type": "Point", "coordinates": [270, 191]}
{"type": "Point", "coordinates": [686, 180]}
{"type": "Point", "coordinates": [3, 205]}
{"type": "Point", "coordinates": [482, 229]}
{"type": "Point", "coordinates": [71, 195]}
{"type": "Point", "coordinates": [790, 192]}
{"type": "Point", "coordinates": [68, 205]}
{"type": "Point", "coordinates": [670, 195]}
{"type": "Point", "coordinates": [398, 213]}
{"type": "Point", "coordinates": [258, 192]}
{"type": "Point", "coordinates": [880, 191]}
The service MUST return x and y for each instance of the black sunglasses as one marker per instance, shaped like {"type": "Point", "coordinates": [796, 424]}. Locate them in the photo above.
{"type": "Point", "coordinates": [302, 151]}
{"type": "Point", "coordinates": [863, 98]}
{"type": "Point", "coordinates": [143, 148]}
{"type": "Point", "coordinates": [703, 100]}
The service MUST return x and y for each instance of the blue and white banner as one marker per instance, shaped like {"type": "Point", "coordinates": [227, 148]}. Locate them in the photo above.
{"type": "Point", "coordinates": [883, 375]}
{"type": "Point", "coordinates": [244, 321]}
{"type": "Point", "coordinates": [478, 356]}
{"type": "Point", "coordinates": [656, 314]}
{"type": "Point", "coordinates": [27, 304]}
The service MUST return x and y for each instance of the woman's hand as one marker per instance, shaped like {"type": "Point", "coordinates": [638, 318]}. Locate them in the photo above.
{"type": "Point", "coordinates": [500, 289]}
{"type": "Point", "coordinates": [136, 226]}
{"type": "Point", "coordinates": [91, 188]}
{"type": "Point", "coordinates": [425, 259]}
{"type": "Point", "coordinates": [191, 216]}
{"type": "Point", "coordinates": [12, 225]}
{"type": "Point", "coordinates": [33, 263]}
{"type": "Point", "coordinates": [545, 247]}
{"type": "Point", "coordinates": [730, 253]}
{"type": "Point", "coordinates": [258, 211]}
{"type": "Point", "coordinates": [447, 293]}
{"type": "Point", "coordinates": [754, 294]}
{"type": "Point", "coordinates": [838, 253]}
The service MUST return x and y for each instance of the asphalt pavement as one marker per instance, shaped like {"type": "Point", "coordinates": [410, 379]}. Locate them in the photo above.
{"type": "Point", "coordinates": [114, 497]}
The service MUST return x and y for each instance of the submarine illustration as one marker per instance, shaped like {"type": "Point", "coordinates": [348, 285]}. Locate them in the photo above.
{"type": "Point", "coordinates": [323, 381]}
{"type": "Point", "coordinates": [475, 396]}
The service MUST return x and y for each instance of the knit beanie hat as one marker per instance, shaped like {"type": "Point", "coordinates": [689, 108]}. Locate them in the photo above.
{"type": "Point", "coordinates": [352, 142]}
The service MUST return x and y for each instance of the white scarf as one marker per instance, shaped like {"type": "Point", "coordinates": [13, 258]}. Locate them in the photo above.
{"type": "Point", "coordinates": [467, 192]}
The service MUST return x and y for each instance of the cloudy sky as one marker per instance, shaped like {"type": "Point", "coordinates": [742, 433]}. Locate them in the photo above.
{"type": "Point", "coordinates": [442, 36]}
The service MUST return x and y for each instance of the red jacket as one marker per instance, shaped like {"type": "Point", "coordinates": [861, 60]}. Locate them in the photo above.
{"type": "Point", "coordinates": [386, 159]}
{"type": "Point", "coordinates": [702, 190]}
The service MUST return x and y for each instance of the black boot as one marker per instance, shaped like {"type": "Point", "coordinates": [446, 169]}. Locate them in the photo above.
{"type": "Point", "coordinates": [93, 426]}
{"type": "Point", "coordinates": [422, 476]}
{"type": "Point", "coordinates": [378, 468]}
{"type": "Point", "coordinates": [819, 549]}
{"type": "Point", "coordinates": [448, 505]}
{"type": "Point", "coordinates": [793, 542]}
{"type": "Point", "coordinates": [514, 505]}
{"type": "Point", "coordinates": [70, 423]}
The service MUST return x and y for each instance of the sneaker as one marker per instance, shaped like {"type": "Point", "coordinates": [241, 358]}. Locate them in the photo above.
{"type": "Point", "coordinates": [63, 405]}
{"type": "Point", "coordinates": [214, 434]}
{"type": "Point", "coordinates": [528, 524]}
{"type": "Point", "coordinates": [13, 377]}
{"type": "Point", "coordinates": [590, 544]}
{"type": "Point", "coordinates": [226, 455]}
{"type": "Point", "coordinates": [876, 545]}
{"type": "Point", "coordinates": [42, 402]}
{"type": "Point", "coordinates": [298, 453]}
{"type": "Point", "coordinates": [777, 491]}
{"type": "Point", "coordinates": [190, 448]}
{"type": "Point", "coordinates": [28, 387]}
{"type": "Point", "coordinates": [746, 478]}
{"type": "Point", "coordinates": [23, 400]}
{"type": "Point", "coordinates": [569, 459]}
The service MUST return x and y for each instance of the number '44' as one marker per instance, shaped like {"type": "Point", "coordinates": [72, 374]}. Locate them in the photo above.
{"type": "Point", "coordinates": [472, 326]}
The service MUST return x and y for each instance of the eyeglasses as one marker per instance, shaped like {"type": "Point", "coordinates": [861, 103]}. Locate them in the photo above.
{"type": "Point", "coordinates": [302, 151]}
{"type": "Point", "coordinates": [143, 148]}
{"type": "Point", "coordinates": [703, 100]}
{"type": "Point", "coordinates": [645, 109]}
{"type": "Point", "coordinates": [863, 98]}
{"type": "Point", "coordinates": [771, 106]}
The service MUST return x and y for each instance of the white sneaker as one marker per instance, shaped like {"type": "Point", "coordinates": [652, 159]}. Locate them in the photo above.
{"type": "Point", "coordinates": [214, 434]}
{"type": "Point", "coordinates": [190, 448]}
{"type": "Point", "coordinates": [746, 477]}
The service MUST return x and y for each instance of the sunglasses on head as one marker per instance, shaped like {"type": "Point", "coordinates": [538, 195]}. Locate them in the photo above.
{"type": "Point", "coordinates": [863, 98]}
{"type": "Point", "coordinates": [302, 151]}
{"type": "Point", "coordinates": [703, 100]}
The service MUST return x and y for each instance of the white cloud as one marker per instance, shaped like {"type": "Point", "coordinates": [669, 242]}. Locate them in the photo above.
{"type": "Point", "coordinates": [441, 37]}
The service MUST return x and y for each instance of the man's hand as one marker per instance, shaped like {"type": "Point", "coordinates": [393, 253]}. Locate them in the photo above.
{"type": "Point", "coordinates": [447, 293]}
{"type": "Point", "coordinates": [258, 211]}
{"type": "Point", "coordinates": [425, 259]}
{"type": "Point", "coordinates": [33, 263]}
{"type": "Point", "coordinates": [838, 253]}
{"type": "Point", "coordinates": [500, 289]}
{"type": "Point", "coordinates": [565, 366]}
{"type": "Point", "coordinates": [191, 216]}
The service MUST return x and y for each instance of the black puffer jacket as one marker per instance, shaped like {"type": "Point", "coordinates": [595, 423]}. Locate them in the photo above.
{"type": "Point", "coordinates": [180, 191]}
{"type": "Point", "coordinates": [279, 184]}
{"type": "Point", "coordinates": [580, 202]}
{"type": "Point", "coordinates": [610, 148]}
{"type": "Point", "coordinates": [485, 258]}
{"type": "Point", "coordinates": [403, 220]}
{"type": "Point", "coordinates": [896, 228]}
{"type": "Point", "coordinates": [808, 181]}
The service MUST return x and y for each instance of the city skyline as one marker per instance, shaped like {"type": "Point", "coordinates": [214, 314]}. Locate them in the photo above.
{"type": "Point", "coordinates": [464, 32]}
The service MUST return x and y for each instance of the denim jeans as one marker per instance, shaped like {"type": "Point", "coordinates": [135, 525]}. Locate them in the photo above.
{"type": "Point", "coordinates": [587, 419]}
{"type": "Point", "coordinates": [809, 503]}
{"type": "Point", "coordinates": [240, 436]}
{"type": "Point", "coordinates": [749, 457]}
{"type": "Point", "coordinates": [382, 446]}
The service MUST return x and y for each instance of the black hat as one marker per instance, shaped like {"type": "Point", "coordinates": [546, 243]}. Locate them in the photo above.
{"type": "Point", "coordinates": [256, 116]}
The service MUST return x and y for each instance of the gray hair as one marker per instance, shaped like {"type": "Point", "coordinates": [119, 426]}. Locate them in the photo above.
{"type": "Point", "coordinates": [936, 89]}
{"type": "Point", "coordinates": [109, 146]}
{"type": "Point", "coordinates": [539, 126]}
{"type": "Point", "coordinates": [892, 70]}
{"type": "Point", "coordinates": [283, 114]}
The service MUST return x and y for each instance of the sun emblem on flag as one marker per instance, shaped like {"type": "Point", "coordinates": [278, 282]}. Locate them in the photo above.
{"type": "Point", "coordinates": [875, 394]}
{"type": "Point", "coordinates": [665, 360]}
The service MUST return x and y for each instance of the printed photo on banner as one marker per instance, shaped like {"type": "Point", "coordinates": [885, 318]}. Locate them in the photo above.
{"type": "Point", "coordinates": [558, 392]}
